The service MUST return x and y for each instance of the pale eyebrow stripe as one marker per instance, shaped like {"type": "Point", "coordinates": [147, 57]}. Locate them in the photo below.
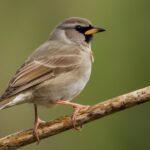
{"type": "Point", "coordinates": [71, 25]}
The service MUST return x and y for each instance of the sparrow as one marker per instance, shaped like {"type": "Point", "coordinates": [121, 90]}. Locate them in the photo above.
{"type": "Point", "coordinates": [55, 72]}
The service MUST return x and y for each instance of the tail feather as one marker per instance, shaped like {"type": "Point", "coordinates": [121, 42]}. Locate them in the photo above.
{"type": "Point", "coordinates": [15, 100]}
{"type": "Point", "coordinates": [4, 103]}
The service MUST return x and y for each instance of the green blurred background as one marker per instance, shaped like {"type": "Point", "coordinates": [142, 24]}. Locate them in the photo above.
{"type": "Point", "coordinates": [121, 65]}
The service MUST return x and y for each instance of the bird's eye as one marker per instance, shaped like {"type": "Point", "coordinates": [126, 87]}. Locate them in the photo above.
{"type": "Point", "coordinates": [78, 27]}
{"type": "Point", "coordinates": [82, 29]}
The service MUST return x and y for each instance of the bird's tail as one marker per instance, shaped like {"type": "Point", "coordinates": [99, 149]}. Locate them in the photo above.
{"type": "Point", "coordinates": [4, 103]}
{"type": "Point", "coordinates": [15, 100]}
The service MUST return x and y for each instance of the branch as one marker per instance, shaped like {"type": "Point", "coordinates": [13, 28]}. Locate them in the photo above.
{"type": "Point", "coordinates": [19, 139]}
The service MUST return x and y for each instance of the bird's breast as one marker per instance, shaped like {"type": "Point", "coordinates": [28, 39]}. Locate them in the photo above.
{"type": "Point", "coordinates": [65, 86]}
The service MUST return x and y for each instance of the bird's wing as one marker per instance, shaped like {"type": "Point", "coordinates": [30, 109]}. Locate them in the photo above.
{"type": "Point", "coordinates": [36, 71]}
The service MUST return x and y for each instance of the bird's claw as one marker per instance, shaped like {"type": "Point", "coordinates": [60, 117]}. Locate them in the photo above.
{"type": "Point", "coordinates": [78, 108]}
{"type": "Point", "coordinates": [35, 129]}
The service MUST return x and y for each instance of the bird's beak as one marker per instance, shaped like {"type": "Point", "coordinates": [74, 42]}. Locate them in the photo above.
{"type": "Point", "coordinates": [94, 30]}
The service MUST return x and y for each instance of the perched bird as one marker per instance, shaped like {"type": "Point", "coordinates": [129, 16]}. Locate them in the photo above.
{"type": "Point", "coordinates": [55, 72]}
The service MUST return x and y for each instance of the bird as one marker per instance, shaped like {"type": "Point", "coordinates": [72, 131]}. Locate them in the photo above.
{"type": "Point", "coordinates": [56, 72]}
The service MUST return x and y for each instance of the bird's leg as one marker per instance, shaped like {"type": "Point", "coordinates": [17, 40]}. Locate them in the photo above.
{"type": "Point", "coordinates": [77, 109]}
{"type": "Point", "coordinates": [37, 121]}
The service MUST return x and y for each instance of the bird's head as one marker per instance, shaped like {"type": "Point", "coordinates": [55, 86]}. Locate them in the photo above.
{"type": "Point", "coordinates": [75, 29]}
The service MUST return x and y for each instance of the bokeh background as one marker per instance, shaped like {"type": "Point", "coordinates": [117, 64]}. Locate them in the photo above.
{"type": "Point", "coordinates": [121, 65]}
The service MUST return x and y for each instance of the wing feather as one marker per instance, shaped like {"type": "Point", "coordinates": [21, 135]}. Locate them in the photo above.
{"type": "Point", "coordinates": [36, 71]}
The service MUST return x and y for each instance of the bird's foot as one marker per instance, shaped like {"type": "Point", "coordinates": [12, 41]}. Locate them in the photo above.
{"type": "Point", "coordinates": [77, 109]}
{"type": "Point", "coordinates": [35, 129]}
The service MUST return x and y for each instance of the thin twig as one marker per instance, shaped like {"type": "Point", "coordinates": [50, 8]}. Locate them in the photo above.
{"type": "Point", "coordinates": [59, 125]}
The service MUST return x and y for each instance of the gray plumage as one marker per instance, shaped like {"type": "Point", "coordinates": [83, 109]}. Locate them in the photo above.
{"type": "Point", "coordinates": [58, 69]}
{"type": "Point", "coordinates": [55, 72]}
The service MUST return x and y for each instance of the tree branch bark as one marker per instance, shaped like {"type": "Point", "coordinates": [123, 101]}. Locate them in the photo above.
{"type": "Point", "coordinates": [19, 139]}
